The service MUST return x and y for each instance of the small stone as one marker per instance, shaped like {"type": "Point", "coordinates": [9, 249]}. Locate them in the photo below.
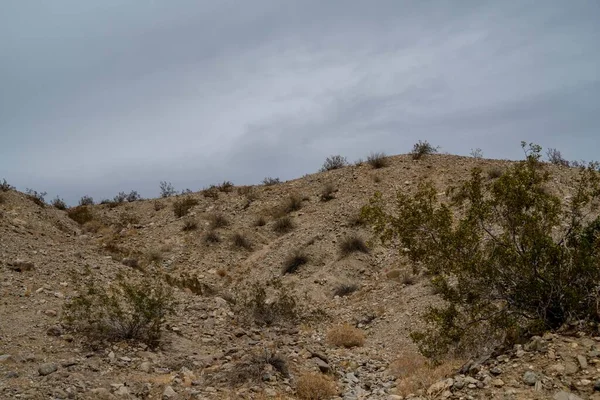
{"type": "Point", "coordinates": [21, 265]}
{"type": "Point", "coordinates": [54, 331]}
{"type": "Point", "coordinates": [530, 378]}
{"type": "Point", "coordinates": [47, 369]}
{"type": "Point", "coordinates": [495, 371]}
{"type": "Point", "coordinates": [571, 368]}
{"type": "Point", "coordinates": [5, 358]}
{"type": "Point", "coordinates": [582, 362]}
{"type": "Point", "coordinates": [498, 382]}
{"type": "Point", "coordinates": [395, 397]}
{"type": "Point", "coordinates": [323, 366]}
{"type": "Point", "coordinates": [145, 366]}
{"type": "Point", "coordinates": [51, 313]}
{"type": "Point", "coordinates": [122, 391]}
{"type": "Point", "coordinates": [562, 395]}
{"type": "Point", "coordinates": [440, 386]}
{"type": "Point", "coordinates": [169, 393]}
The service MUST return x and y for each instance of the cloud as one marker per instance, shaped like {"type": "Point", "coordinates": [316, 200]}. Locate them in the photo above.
{"type": "Point", "coordinates": [99, 97]}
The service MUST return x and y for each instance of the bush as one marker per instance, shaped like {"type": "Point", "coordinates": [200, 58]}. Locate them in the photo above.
{"type": "Point", "coordinates": [327, 192]}
{"type": "Point", "coordinates": [268, 181]}
{"type": "Point", "coordinates": [189, 224]}
{"type": "Point", "coordinates": [334, 162]}
{"type": "Point", "coordinates": [133, 196]}
{"type": "Point", "coordinates": [5, 186]}
{"type": "Point", "coordinates": [260, 221]}
{"type": "Point", "coordinates": [212, 237]}
{"type": "Point", "coordinates": [345, 289]}
{"type": "Point", "coordinates": [378, 160]}
{"type": "Point", "coordinates": [167, 189]}
{"type": "Point", "coordinates": [240, 241]}
{"type": "Point", "coordinates": [515, 261]}
{"type": "Point", "coordinates": [554, 157]}
{"type": "Point", "coordinates": [283, 225]}
{"type": "Point", "coordinates": [315, 387]}
{"type": "Point", "coordinates": [125, 310]}
{"type": "Point", "coordinates": [212, 192]}
{"type": "Point", "coordinates": [217, 221]}
{"type": "Point", "coordinates": [292, 203]}
{"type": "Point", "coordinates": [225, 187]}
{"type": "Point", "coordinates": [353, 244]}
{"type": "Point", "coordinates": [181, 207]}
{"type": "Point", "coordinates": [254, 368]}
{"type": "Point", "coordinates": [293, 262]}
{"type": "Point", "coordinates": [280, 310]}
{"type": "Point", "coordinates": [86, 201]}
{"type": "Point", "coordinates": [80, 214]}
{"type": "Point", "coordinates": [36, 197]}
{"type": "Point", "coordinates": [345, 336]}
{"type": "Point", "coordinates": [59, 203]}
{"type": "Point", "coordinates": [421, 149]}
{"type": "Point", "coordinates": [476, 153]}
{"type": "Point", "coordinates": [494, 173]}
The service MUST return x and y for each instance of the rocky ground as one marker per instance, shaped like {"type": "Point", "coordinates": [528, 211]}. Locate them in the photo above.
{"type": "Point", "coordinates": [209, 344]}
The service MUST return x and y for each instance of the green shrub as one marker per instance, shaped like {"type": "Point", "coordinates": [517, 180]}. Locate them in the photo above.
{"type": "Point", "coordinates": [86, 201]}
{"type": "Point", "coordinates": [378, 160]}
{"type": "Point", "coordinates": [421, 149]}
{"type": "Point", "coordinates": [514, 261]}
{"type": "Point", "coordinates": [334, 162]}
{"type": "Point", "coordinates": [59, 203]}
{"type": "Point", "coordinates": [181, 207]}
{"type": "Point", "coordinates": [294, 261]}
{"type": "Point", "coordinates": [80, 214]}
{"type": "Point", "coordinates": [126, 310]}
{"type": "Point", "coordinates": [353, 244]}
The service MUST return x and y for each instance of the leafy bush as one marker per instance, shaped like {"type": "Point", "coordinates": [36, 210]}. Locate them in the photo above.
{"type": "Point", "coordinates": [352, 244]}
{"type": "Point", "coordinates": [268, 181]}
{"type": "Point", "coordinates": [514, 261]}
{"type": "Point", "coordinates": [167, 189]}
{"type": "Point", "coordinates": [181, 207]}
{"type": "Point", "coordinates": [554, 157]}
{"type": "Point", "coordinates": [345, 289]}
{"type": "Point", "coordinates": [217, 221]}
{"type": "Point", "coordinates": [283, 225]}
{"type": "Point", "coordinates": [334, 162]}
{"type": "Point", "coordinates": [86, 201]}
{"type": "Point", "coordinates": [315, 387]}
{"type": "Point", "coordinates": [421, 149]}
{"type": "Point", "coordinates": [59, 203]}
{"type": "Point", "coordinates": [5, 186]}
{"type": "Point", "coordinates": [293, 262]}
{"type": "Point", "coordinates": [80, 214]}
{"type": "Point", "coordinates": [378, 160]}
{"type": "Point", "coordinates": [327, 192]}
{"type": "Point", "coordinates": [345, 335]}
{"type": "Point", "coordinates": [36, 197]}
{"type": "Point", "coordinates": [125, 310]}
{"type": "Point", "coordinates": [240, 241]}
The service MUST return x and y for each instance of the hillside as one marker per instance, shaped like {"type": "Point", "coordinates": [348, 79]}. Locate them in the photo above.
{"type": "Point", "coordinates": [207, 343]}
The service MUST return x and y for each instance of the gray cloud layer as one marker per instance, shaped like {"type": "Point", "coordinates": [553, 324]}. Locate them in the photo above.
{"type": "Point", "coordinates": [102, 96]}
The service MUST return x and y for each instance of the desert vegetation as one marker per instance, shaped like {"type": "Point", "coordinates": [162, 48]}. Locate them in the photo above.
{"type": "Point", "coordinates": [334, 162]}
{"type": "Point", "coordinates": [421, 149]}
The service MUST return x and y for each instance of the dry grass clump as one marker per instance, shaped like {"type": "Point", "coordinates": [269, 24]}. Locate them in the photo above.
{"type": "Point", "coordinates": [260, 221]}
{"type": "Point", "coordinates": [494, 173]}
{"type": "Point", "coordinates": [327, 192]}
{"type": "Point", "coordinates": [240, 241]}
{"type": "Point", "coordinates": [414, 373]}
{"type": "Point", "coordinates": [36, 197]}
{"type": "Point", "coordinates": [225, 187]}
{"type": "Point", "coordinates": [292, 203]}
{"type": "Point", "coordinates": [217, 221]}
{"type": "Point", "coordinates": [253, 368]}
{"type": "Point", "coordinates": [345, 335]}
{"type": "Point", "coordinates": [293, 262]}
{"type": "Point", "coordinates": [315, 387]}
{"type": "Point", "coordinates": [345, 289]}
{"type": "Point", "coordinates": [59, 203]}
{"type": "Point", "coordinates": [353, 244]}
{"type": "Point", "coordinates": [283, 225]}
{"type": "Point", "coordinates": [212, 237]}
{"type": "Point", "coordinates": [153, 256]}
{"type": "Point", "coordinates": [378, 160]}
{"type": "Point", "coordinates": [189, 224]}
{"type": "Point", "coordinates": [212, 192]}
{"type": "Point", "coordinates": [182, 207]}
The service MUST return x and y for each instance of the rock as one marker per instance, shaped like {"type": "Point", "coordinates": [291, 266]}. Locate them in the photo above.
{"type": "Point", "coordinates": [597, 385]}
{"type": "Point", "coordinates": [323, 366]}
{"type": "Point", "coordinates": [498, 382]}
{"type": "Point", "coordinates": [530, 378]}
{"type": "Point", "coordinates": [395, 397]}
{"type": "Point", "coordinates": [21, 265]}
{"type": "Point", "coordinates": [51, 313]}
{"type": "Point", "coordinates": [47, 369]}
{"type": "Point", "coordinates": [102, 393]}
{"type": "Point", "coordinates": [54, 331]}
{"type": "Point", "coordinates": [495, 371]}
{"type": "Point", "coordinates": [122, 391]}
{"type": "Point", "coordinates": [440, 387]}
{"type": "Point", "coordinates": [5, 358]}
{"type": "Point", "coordinates": [571, 368]}
{"type": "Point", "coordinates": [145, 366]}
{"type": "Point", "coordinates": [582, 362]}
{"type": "Point", "coordinates": [562, 395]}
{"type": "Point", "coordinates": [169, 393]}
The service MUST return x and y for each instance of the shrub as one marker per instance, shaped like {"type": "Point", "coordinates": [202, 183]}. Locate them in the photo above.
{"type": "Point", "coordinates": [315, 387]}
{"type": "Point", "coordinates": [181, 207]}
{"type": "Point", "coordinates": [254, 368]}
{"type": "Point", "coordinates": [421, 149]}
{"type": "Point", "coordinates": [158, 205]}
{"type": "Point", "coordinates": [59, 203]}
{"type": "Point", "coordinates": [294, 261]}
{"type": "Point", "coordinates": [378, 160]}
{"type": "Point", "coordinates": [217, 221]}
{"type": "Point", "coordinates": [327, 192]}
{"type": "Point", "coordinates": [280, 310]}
{"type": "Point", "coordinates": [476, 153]}
{"type": "Point", "coordinates": [554, 157]}
{"type": "Point", "coordinates": [167, 189]}
{"type": "Point", "coordinates": [283, 225]}
{"type": "Point", "coordinates": [494, 173]}
{"type": "Point", "coordinates": [345, 289]}
{"type": "Point", "coordinates": [414, 373]}
{"type": "Point", "coordinates": [86, 201]}
{"type": "Point", "coordinates": [292, 203]}
{"type": "Point", "coordinates": [153, 256]}
{"type": "Point", "coordinates": [356, 219]}
{"type": "Point", "coordinates": [5, 186]}
{"type": "Point", "coordinates": [212, 237]}
{"type": "Point", "coordinates": [240, 241]}
{"type": "Point", "coordinates": [36, 197]}
{"type": "Point", "coordinates": [212, 192]}
{"type": "Point", "coordinates": [345, 335]}
{"type": "Point", "coordinates": [189, 224]}
{"type": "Point", "coordinates": [126, 310]}
{"type": "Point", "coordinates": [80, 214]}
{"type": "Point", "coordinates": [225, 187]}
{"type": "Point", "coordinates": [353, 244]}
{"type": "Point", "coordinates": [260, 221]}
{"type": "Point", "coordinates": [268, 181]}
{"type": "Point", "coordinates": [334, 162]}
{"type": "Point", "coordinates": [514, 262]}
{"type": "Point", "coordinates": [133, 196]}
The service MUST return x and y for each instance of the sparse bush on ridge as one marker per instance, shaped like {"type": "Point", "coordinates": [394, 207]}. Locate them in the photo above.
{"type": "Point", "coordinates": [334, 162]}
{"type": "Point", "coordinates": [422, 148]}
{"type": "Point", "coordinates": [352, 244]}
{"type": "Point", "coordinates": [80, 214]}
{"type": "Point", "coordinates": [476, 153]}
{"type": "Point", "coordinates": [516, 261]}
{"type": "Point", "coordinates": [126, 310]}
{"type": "Point", "coordinates": [5, 186]}
{"type": "Point", "coordinates": [378, 160]}
{"type": "Point", "coordinates": [59, 203]}
{"type": "Point", "coordinates": [86, 201]}
{"type": "Point", "coordinates": [292, 203]}
{"type": "Point", "coordinates": [268, 181]}
{"type": "Point", "coordinates": [554, 157]}
{"type": "Point", "coordinates": [133, 196]}
{"type": "Point", "coordinates": [181, 207]}
{"type": "Point", "coordinates": [167, 189]}
{"type": "Point", "coordinates": [212, 192]}
{"type": "Point", "coordinates": [294, 261]}
{"type": "Point", "coordinates": [36, 197]}
{"type": "Point", "coordinates": [225, 187]}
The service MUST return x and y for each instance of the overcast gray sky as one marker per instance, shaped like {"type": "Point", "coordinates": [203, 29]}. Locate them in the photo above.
{"type": "Point", "coordinates": [101, 96]}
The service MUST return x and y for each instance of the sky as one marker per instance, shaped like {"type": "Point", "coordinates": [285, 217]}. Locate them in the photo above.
{"type": "Point", "coordinates": [102, 96]}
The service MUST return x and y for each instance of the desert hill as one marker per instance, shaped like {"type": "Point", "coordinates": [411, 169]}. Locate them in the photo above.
{"type": "Point", "coordinates": [302, 239]}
